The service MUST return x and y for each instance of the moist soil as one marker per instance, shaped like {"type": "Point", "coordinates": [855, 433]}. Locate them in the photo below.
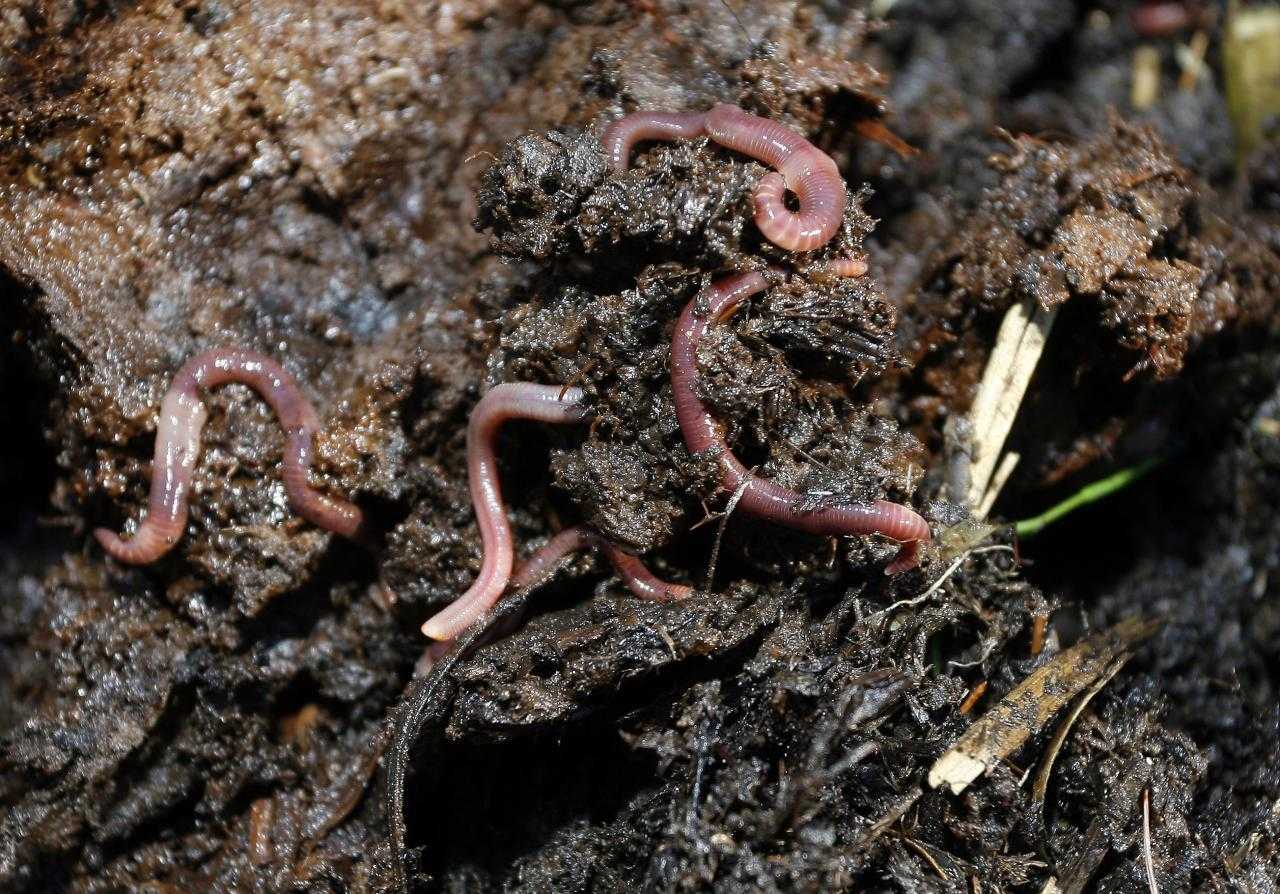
{"type": "Point", "coordinates": [407, 204]}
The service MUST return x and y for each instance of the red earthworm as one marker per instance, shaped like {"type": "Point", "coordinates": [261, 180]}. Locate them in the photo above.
{"type": "Point", "coordinates": [540, 564]}
{"type": "Point", "coordinates": [759, 497]}
{"type": "Point", "coordinates": [799, 166]}
{"type": "Point", "coordinates": [182, 418]}
{"type": "Point", "coordinates": [1161, 19]}
{"type": "Point", "coordinates": [518, 400]}
{"type": "Point", "coordinates": [622, 135]}
{"type": "Point", "coordinates": [642, 582]}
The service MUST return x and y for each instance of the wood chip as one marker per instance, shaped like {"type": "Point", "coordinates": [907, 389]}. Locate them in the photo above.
{"type": "Point", "coordinates": [1040, 787]}
{"type": "Point", "coordinates": [1033, 703]}
{"type": "Point", "coordinates": [1003, 473]}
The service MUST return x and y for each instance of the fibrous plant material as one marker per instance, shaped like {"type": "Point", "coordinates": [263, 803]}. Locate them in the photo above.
{"type": "Point", "coordinates": [1251, 59]}
{"type": "Point", "coordinates": [1019, 344]}
{"type": "Point", "coordinates": [1146, 78]}
{"type": "Point", "coordinates": [1033, 703]}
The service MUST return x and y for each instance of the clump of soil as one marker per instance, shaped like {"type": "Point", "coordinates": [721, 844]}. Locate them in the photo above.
{"type": "Point", "coordinates": [352, 190]}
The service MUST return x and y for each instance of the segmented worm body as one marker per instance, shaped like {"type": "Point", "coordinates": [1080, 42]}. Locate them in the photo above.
{"type": "Point", "coordinates": [520, 400]}
{"type": "Point", "coordinates": [621, 136]}
{"type": "Point", "coordinates": [642, 582]}
{"type": "Point", "coordinates": [845, 267]}
{"type": "Point", "coordinates": [540, 403]}
{"type": "Point", "coordinates": [759, 497]}
{"type": "Point", "coordinates": [182, 418]}
{"type": "Point", "coordinates": [799, 166]}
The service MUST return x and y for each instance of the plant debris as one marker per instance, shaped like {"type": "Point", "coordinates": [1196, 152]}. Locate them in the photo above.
{"type": "Point", "coordinates": [1034, 702]}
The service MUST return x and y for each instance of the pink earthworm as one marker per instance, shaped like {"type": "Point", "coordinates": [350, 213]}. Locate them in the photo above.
{"type": "Point", "coordinates": [1161, 19]}
{"type": "Point", "coordinates": [760, 497]}
{"type": "Point", "coordinates": [642, 582]}
{"type": "Point", "coordinates": [799, 166]}
{"type": "Point", "coordinates": [621, 136]}
{"type": "Point", "coordinates": [844, 267]}
{"type": "Point", "coordinates": [516, 400]}
{"type": "Point", "coordinates": [182, 418]}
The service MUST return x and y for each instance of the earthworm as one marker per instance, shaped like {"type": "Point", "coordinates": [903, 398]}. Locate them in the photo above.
{"type": "Point", "coordinates": [621, 136]}
{"type": "Point", "coordinates": [845, 267]}
{"type": "Point", "coordinates": [760, 497]}
{"type": "Point", "coordinates": [517, 400]}
{"type": "Point", "coordinates": [799, 166]}
{"type": "Point", "coordinates": [1161, 19]}
{"type": "Point", "coordinates": [642, 582]}
{"type": "Point", "coordinates": [182, 418]}
{"type": "Point", "coordinates": [540, 564]}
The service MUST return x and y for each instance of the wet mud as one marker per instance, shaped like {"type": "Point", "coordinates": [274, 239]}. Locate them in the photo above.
{"type": "Point", "coordinates": [407, 204]}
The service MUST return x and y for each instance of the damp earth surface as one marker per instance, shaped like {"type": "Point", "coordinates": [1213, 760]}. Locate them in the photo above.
{"type": "Point", "coordinates": [407, 204]}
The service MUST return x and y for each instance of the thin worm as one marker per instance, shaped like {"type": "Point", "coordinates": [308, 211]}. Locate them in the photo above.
{"type": "Point", "coordinates": [760, 497]}
{"type": "Point", "coordinates": [539, 566]}
{"type": "Point", "coordinates": [845, 267]}
{"type": "Point", "coordinates": [1161, 19]}
{"type": "Point", "coordinates": [519, 400]}
{"type": "Point", "coordinates": [642, 582]}
{"type": "Point", "coordinates": [621, 136]}
{"type": "Point", "coordinates": [799, 166]}
{"type": "Point", "coordinates": [182, 418]}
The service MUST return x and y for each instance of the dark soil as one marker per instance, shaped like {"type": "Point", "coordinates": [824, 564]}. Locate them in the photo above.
{"type": "Point", "coordinates": [407, 203]}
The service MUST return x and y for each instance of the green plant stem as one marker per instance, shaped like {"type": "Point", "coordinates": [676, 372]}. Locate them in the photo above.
{"type": "Point", "coordinates": [1090, 493]}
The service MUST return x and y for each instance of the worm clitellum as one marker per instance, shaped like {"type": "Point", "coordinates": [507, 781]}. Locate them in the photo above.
{"type": "Point", "coordinates": [759, 497]}
{"type": "Point", "coordinates": [182, 417]}
{"type": "Point", "coordinates": [799, 166]}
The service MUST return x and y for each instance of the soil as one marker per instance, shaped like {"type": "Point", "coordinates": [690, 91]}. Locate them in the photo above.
{"type": "Point", "coordinates": [407, 204]}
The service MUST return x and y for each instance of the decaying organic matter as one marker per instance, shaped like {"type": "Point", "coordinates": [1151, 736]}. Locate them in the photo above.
{"type": "Point", "coordinates": [412, 204]}
{"type": "Point", "coordinates": [1034, 702]}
